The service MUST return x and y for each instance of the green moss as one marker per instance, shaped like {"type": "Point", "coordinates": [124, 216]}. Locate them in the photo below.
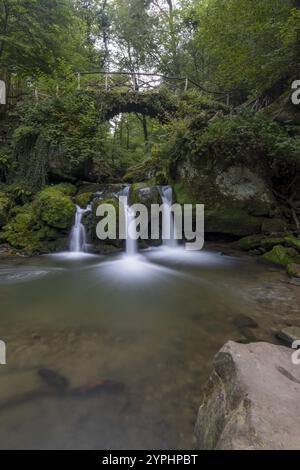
{"type": "Point", "coordinates": [23, 231]}
{"type": "Point", "coordinates": [183, 195]}
{"type": "Point", "coordinates": [5, 204]}
{"type": "Point", "coordinates": [293, 241]}
{"type": "Point", "coordinates": [84, 199]}
{"type": "Point", "coordinates": [282, 256]}
{"type": "Point", "coordinates": [257, 241]}
{"type": "Point", "coordinates": [134, 192]}
{"type": "Point", "coordinates": [26, 232]}
{"type": "Point", "coordinates": [55, 209]}
{"type": "Point", "coordinates": [231, 221]}
{"type": "Point", "coordinates": [113, 202]}
{"type": "Point", "coordinates": [293, 270]}
{"type": "Point", "coordinates": [67, 189]}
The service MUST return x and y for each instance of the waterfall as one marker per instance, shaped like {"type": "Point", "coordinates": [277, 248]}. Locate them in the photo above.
{"type": "Point", "coordinates": [169, 239]}
{"type": "Point", "coordinates": [78, 235]}
{"type": "Point", "coordinates": [131, 242]}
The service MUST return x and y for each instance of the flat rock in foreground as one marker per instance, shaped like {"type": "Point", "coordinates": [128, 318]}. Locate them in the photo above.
{"type": "Point", "coordinates": [252, 400]}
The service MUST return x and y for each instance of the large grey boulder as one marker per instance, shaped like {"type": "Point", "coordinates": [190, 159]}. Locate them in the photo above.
{"type": "Point", "coordinates": [238, 199]}
{"type": "Point", "coordinates": [252, 400]}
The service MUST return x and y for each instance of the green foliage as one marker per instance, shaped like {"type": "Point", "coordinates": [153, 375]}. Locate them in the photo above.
{"type": "Point", "coordinates": [238, 138]}
{"type": "Point", "coordinates": [4, 208]}
{"type": "Point", "coordinates": [33, 33]}
{"type": "Point", "coordinates": [250, 45]}
{"type": "Point", "coordinates": [6, 163]}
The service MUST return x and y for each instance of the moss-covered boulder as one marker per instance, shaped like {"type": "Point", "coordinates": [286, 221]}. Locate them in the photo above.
{"type": "Point", "coordinates": [237, 200]}
{"type": "Point", "coordinates": [27, 233]}
{"type": "Point", "coordinates": [84, 199]}
{"type": "Point", "coordinates": [293, 270]}
{"type": "Point", "coordinates": [141, 193]}
{"type": "Point", "coordinates": [293, 242]}
{"type": "Point", "coordinates": [43, 225]}
{"type": "Point", "coordinates": [145, 171]}
{"type": "Point", "coordinates": [253, 242]}
{"type": "Point", "coordinates": [91, 220]}
{"type": "Point", "coordinates": [282, 256]}
{"type": "Point", "coordinates": [67, 189]}
{"type": "Point", "coordinates": [55, 208]}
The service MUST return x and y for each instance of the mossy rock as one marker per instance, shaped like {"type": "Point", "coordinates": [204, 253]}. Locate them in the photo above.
{"type": "Point", "coordinates": [67, 189]}
{"type": "Point", "coordinates": [26, 232]}
{"type": "Point", "coordinates": [282, 256]}
{"type": "Point", "coordinates": [112, 202]}
{"type": "Point", "coordinates": [293, 270]}
{"type": "Point", "coordinates": [55, 209]}
{"type": "Point", "coordinates": [144, 171]}
{"type": "Point", "coordinates": [141, 193]}
{"type": "Point", "coordinates": [23, 230]}
{"type": "Point", "coordinates": [253, 242]}
{"type": "Point", "coordinates": [293, 242]}
{"type": "Point", "coordinates": [91, 220]}
{"type": "Point", "coordinates": [84, 199]}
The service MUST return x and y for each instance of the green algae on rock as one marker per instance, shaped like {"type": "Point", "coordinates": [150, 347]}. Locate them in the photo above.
{"type": "Point", "coordinates": [282, 256]}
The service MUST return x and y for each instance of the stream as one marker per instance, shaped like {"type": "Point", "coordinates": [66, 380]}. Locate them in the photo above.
{"type": "Point", "coordinates": [145, 327]}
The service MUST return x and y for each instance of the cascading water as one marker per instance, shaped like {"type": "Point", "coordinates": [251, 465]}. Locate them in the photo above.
{"type": "Point", "coordinates": [131, 242]}
{"type": "Point", "coordinates": [78, 242]}
{"type": "Point", "coordinates": [169, 239]}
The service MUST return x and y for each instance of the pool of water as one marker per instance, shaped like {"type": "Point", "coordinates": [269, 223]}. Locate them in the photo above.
{"type": "Point", "coordinates": [135, 338]}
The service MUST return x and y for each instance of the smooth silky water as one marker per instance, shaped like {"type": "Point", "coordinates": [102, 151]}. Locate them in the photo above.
{"type": "Point", "coordinates": [150, 323]}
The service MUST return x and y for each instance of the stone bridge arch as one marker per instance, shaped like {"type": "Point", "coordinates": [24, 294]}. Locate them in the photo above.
{"type": "Point", "coordinates": [160, 105]}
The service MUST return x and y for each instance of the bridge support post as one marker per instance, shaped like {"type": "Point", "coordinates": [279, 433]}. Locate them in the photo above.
{"type": "Point", "coordinates": [186, 84]}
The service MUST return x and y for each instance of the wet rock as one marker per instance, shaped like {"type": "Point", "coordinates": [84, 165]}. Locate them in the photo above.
{"type": "Point", "coordinates": [289, 335]}
{"type": "Point", "coordinates": [282, 256]}
{"type": "Point", "coordinates": [142, 194]}
{"type": "Point", "coordinates": [254, 242]}
{"type": "Point", "coordinates": [251, 400]}
{"type": "Point", "coordinates": [237, 199]}
{"type": "Point", "coordinates": [294, 270]}
{"type": "Point", "coordinates": [53, 379]}
{"type": "Point", "coordinates": [293, 242]}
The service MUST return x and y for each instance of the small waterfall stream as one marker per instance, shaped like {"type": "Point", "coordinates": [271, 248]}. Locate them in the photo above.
{"type": "Point", "coordinates": [169, 239]}
{"type": "Point", "coordinates": [78, 240]}
{"type": "Point", "coordinates": [131, 242]}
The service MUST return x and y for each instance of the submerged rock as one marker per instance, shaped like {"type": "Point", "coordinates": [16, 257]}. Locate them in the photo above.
{"type": "Point", "coordinates": [53, 379]}
{"type": "Point", "coordinates": [243, 321]}
{"type": "Point", "coordinates": [251, 401]}
{"type": "Point", "coordinates": [289, 335]}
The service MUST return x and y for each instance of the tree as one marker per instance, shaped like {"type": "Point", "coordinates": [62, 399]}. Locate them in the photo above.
{"type": "Point", "coordinates": [32, 33]}
{"type": "Point", "coordinates": [249, 44]}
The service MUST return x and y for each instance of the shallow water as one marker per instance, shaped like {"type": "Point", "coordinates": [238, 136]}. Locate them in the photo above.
{"type": "Point", "coordinates": [150, 325]}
